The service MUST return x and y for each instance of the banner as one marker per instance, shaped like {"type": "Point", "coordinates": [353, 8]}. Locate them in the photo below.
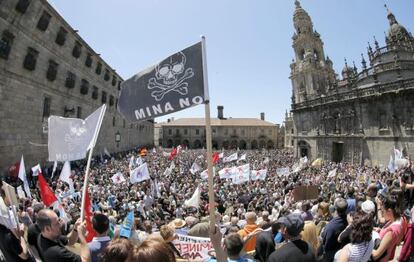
{"type": "Point", "coordinates": [194, 248]}
{"type": "Point", "coordinates": [70, 138]}
{"type": "Point", "coordinates": [195, 168]}
{"type": "Point", "coordinates": [23, 177]}
{"type": "Point", "coordinates": [139, 174]}
{"type": "Point", "coordinates": [227, 172]}
{"type": "Point", "coordinates": [242, 174]}
{"type": "Point", "coordinates": [282, 171]}
{"type": "Point", "coordinates": [258, 174]}
{"type": "Point", "coordinates": [232, 157]}
{"type": "Point", "coordinates": [10, 194]}
{"type": "Point", "coordinates": [204, 175]}
{"type": "Point", "coordinates": [305, 193]}
{"type": "Point", "coordinates": [174, 84]}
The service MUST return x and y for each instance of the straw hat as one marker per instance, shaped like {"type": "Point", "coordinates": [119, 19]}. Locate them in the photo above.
{"type": "Point", "coordinates": [177, 223]}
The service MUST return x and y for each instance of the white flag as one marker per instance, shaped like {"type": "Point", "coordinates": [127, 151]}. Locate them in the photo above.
{"type": "Point", "coordinates": [139, 161]}
{"type": "Point", "coordinates": [54, 168]}
{"type": "Point", "coordinates": [243, 157]}
{"type": "Point", "coordinates": [332, 173]}
{"type": "Point", "coordinates": [227, 172]}
{"type": "Point", "coordinates": [20, 192]}
{"type": "Point", "coordinates": [118, 178]}
{"type": "Point", "coordinates": [167, 171]}
{"type": "Point", "coordinates": [232, 157]}
{"type": "Point", "coordinates": [139, 174]}
{"type": "Point", "coordinates": [23, 178]}
{"type": "Point", "coordinates": [242, 174]}
{"type": "Point", "coordinates": [36, 170]}
{"type": "Point", "coordinates": [258, 174]}
{"type": "Point", "coordinates": [65, 176]}
{"type": "Point", "coordinates": [70, 138]}
{"type": "Point", "coordinates": [107, 152]}
{"type": "Point", "coordinates": [204, 175]}
{"type": "Point", "coordinates": [221, 155]}
{"type": "Point", "coordinates": [195, 168]}
{"type": "Point", "coordinates": [194, 201]}
{"type": "Point", "coordinates": [131, 162]}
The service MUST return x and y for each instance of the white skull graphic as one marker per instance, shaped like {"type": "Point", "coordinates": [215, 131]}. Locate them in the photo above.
{"type": "Point", "coordinates": [169, 69]}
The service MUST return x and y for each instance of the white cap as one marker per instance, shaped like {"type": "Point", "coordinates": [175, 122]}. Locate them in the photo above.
{"type": "Point", "coordinates": [368, 207]}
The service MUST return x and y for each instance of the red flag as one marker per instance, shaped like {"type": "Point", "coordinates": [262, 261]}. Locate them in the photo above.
{"type": "Point", "coordinates": [47, 195]}
{"type": "Point", "coordinates": [173, 154]}
{"type": "Point", "coordinates": [90, 233]}
{"type": "Point", "coordinates": [215, 158]}
{"type": "Point", "coordinates": [14, 170]}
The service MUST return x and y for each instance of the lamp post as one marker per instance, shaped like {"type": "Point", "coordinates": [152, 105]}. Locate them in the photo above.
{"type": "Point", "coordinates": [117, 138]}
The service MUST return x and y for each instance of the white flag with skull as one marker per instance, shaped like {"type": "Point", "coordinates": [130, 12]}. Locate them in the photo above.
{"type": "Point", "coordinates": [174, 84]}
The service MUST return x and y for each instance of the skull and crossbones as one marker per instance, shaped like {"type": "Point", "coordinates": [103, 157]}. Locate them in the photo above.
{"type": "Point", "coordinates": [169, 72]}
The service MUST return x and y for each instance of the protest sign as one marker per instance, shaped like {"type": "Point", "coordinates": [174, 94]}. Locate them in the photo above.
{"type": "Point", "coordinates": [305, 193]}
{"type": "Point", "coordinates": [194, 248]}
{"type": "Point", "coordinates": [10, 194]}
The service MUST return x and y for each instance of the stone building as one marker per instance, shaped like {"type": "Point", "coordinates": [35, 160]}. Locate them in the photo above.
{"type": "Point", "coordinates": [363, 115]}
{"type": "Point", "coordinates": [289, 131]}
{"type": "Point", "coordinates": [242, 133]}
{"type": "Point", "coordinates": [46, 69]}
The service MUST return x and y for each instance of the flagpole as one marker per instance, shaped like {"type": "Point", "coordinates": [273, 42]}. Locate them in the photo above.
{"type": "Point", "coordinates": [85, 184]}
{"type": "Point", "coordinates": [208, 140]}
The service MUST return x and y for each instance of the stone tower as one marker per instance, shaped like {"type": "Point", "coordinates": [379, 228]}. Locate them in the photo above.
{"type": "Point", "coordinates": [311, 74]}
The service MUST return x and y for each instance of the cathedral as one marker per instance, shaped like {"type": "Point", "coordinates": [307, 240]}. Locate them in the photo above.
{"type": "Point", "coordinates": [361, 116]}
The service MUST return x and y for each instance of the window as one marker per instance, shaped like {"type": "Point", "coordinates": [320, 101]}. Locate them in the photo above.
{"type": "Point", "coordinates": [197, 131]}
{"type": "Point", "coordinates": [270, 131]}
{"type": "Point", "coordinates": [46, 108]}
{"type": "Point", "coordinates": [113, 80]}
{"type": "Point", "coordinates": [94, 92]}
{"type": "Point", "coordinates": [79, 112]}
{"type": "Point", "coordinates": [383, 120]}
{"type": "Point", "coordinates": [44, 21]}
{"type": "Point", "coordinates": [177, 131]}
{"type": "Point", "coordinates": [170, 131]}
{"type": "Point", "coordinates": [30, 59]}
{"type": "Point", "coordinates": [77, 50]}
{"type": "Point", "coordinates": [234, 131]}
{"type": "Point", "coordinates": [111, 100]}
{"type": "Point", "coordinates": [226, 131]}
{"type": "Point", "coordinates": [5, 44]}
{"type": "Point", "coordinates": [292, 131]}
{"type": "Point", "coordinates": [106, 76]}
{"type": "Point", "coordinates": [119, 85]}
{"type": "Point", "coordinates": [242, 132]}
{"type": "Point", "coordinates": [52, 70]}
{"type": "Point", "coordinates": [84, 87]}
{"type": "Point", "coordinates": [113, 121]}
{"type": "Point", "coordinates": [22, 6]}
{"type": "Point", "coordinates": [88, 60]}
{"type": "Point", "coordinates": [291, 142]}
{"type": "Point", "coordinates": [98, 68]}
{"type": "Point", "coordinates": [116, 103]}
{"type": "Point", "coordinates": [214, 130]}
{"type": "Point", "coordinates": [185, 131]}
{"type": "Point", "coordinates": [61, 36]}
{"type": "Point", "coordinates": [70, 80]}
{"type": "Point", "coordinates": [104, 98]}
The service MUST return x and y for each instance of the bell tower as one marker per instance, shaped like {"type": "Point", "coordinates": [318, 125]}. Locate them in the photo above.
{"type": "Point", "coordinates": [312, 74]}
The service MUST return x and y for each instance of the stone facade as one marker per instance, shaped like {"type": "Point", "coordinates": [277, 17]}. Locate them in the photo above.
{"type": "Point", "coordinates": [242, 133]}
{"type": "Point", "coordinates": [289, 131]}
{"type": "Point", "coordinates": [46, 69]}
{"type": "Point", "coordinates": [361, 117]}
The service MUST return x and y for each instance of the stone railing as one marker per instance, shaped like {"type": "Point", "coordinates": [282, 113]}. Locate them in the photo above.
{"type": "Point", "coordinates": [356, 94]}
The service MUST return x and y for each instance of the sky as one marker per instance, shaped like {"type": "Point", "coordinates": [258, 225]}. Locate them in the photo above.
{"type": "Point", "coordinates": [249, 44]}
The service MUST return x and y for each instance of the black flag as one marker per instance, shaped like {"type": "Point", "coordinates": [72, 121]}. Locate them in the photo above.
{"type": "Point", "coordinates": [172, 85]}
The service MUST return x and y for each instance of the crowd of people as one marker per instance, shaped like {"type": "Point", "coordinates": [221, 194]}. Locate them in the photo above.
{"type": "Point", "coordinates": [361, 213]}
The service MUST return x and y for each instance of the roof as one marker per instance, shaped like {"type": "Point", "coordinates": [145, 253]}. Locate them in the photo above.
{"type": "Point", "coordinates": [219, 122]}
